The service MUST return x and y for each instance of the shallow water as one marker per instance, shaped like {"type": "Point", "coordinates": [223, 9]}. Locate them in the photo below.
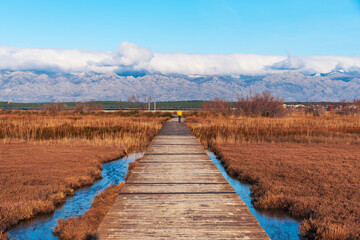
{"type": "Point", "coordinates": [113, 173]}
{"type": "Point", "coordinates": [278, 226]}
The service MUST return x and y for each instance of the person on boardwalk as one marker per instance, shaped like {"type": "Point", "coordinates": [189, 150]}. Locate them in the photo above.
{"type": "Point", "coordinates": [179, 113]}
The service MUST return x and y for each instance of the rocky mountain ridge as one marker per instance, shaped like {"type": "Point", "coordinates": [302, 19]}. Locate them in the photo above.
{"type": "Point", "coordinates": [37, 86]}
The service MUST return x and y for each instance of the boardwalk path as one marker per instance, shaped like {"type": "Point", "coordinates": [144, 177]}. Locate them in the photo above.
{"type": "Point", "coordinates": [177, 192]}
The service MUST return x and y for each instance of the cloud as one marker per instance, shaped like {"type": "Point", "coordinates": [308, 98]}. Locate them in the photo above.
{"type": "Point", "coordinates": [211, 64]}
{"type": "Point", "coordinates": [56, 60]}
{"type": "Point", "coordinates": [291, 63]}
{"type": "Point", "coordinates": [130, 57]}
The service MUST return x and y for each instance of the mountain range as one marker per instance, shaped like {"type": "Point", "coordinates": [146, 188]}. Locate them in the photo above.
{"type": "Point", "coordinates": [40, 86]}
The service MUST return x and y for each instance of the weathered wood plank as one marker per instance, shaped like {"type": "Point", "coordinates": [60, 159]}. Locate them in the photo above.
{"type": "Point", "coordinates": [164, 188]}
{"type": "Point", "coordinates": [176, 192]}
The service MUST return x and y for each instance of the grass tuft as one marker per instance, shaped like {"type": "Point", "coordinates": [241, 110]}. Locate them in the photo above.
{"type": "Point", "coordinates": [85, 226]}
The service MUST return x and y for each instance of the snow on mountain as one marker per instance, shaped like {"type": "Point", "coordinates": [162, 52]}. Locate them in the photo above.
{"type": "Point", "coordinates": [34, 74]}
{"type": "Point", "coordinates": [37, 86]}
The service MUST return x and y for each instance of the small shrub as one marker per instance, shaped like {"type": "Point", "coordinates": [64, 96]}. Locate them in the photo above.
{"type": "Point", "coordinates": [264, 104]}
{"type": "Point", "coordinates": [86, 107]}
{"type": "Point", "coordinates": [350, 108]}
{"type": "Point", "coordinates": [217, 105]}
{"type": "Point", "coordinates": [315, 110]}
{"type": "Point", "coordinates": [55, 107]}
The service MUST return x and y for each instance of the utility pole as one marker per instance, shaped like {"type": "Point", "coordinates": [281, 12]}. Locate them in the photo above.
{"type": "Point", "coordinates": [154, 106]}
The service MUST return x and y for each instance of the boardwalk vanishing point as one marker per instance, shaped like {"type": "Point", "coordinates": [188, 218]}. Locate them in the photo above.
{"type": "Point", "coordinates": [176, 192]}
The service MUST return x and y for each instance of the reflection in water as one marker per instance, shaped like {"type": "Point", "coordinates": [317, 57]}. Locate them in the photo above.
{"type": "Point", "coordinates": [113, 173]}
{"type": "Point", "coordinates": [277, 226]}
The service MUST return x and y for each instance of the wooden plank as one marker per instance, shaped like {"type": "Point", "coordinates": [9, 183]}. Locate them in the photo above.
{"type": "Point", "coordinates": [158, 178]}
{"type": "Point", "coordinates": [164, 188]}
{"type": "Point", "coordinates": [176, 192]}
{"type": "Point", "coordinates": [168, 166]}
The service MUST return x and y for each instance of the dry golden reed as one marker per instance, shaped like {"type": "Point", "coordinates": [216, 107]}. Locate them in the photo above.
{"type": "Point", "coordinates": [45, 156]}
{"type": "Point", "coordinates": [307, 166]}
{"type": "Point", "coordinates": [110, 129]}
{"type": "Point", "coordinates": [298, 128]}
{"type": "Point", "coordinates": [85, 227]}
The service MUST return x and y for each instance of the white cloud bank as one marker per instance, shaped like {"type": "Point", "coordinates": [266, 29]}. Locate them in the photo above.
{"type": "Point", "coordinates": [131, 57]}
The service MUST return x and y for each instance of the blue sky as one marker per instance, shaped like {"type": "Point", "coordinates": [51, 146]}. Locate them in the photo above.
{"type": "Point", "coordinates": [301, 27]}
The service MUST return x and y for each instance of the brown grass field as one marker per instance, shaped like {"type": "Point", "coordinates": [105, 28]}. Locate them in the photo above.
{"type": "Point", "coordinates": [85, 226]}
{"type": "Point", "coordinates": [44, 157]}
{"type": "Point", "coordinates": [307, 166]}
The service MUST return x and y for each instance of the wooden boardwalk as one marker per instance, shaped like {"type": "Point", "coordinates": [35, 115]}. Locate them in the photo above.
{"type": "Point", "coordinates": [176, 192]}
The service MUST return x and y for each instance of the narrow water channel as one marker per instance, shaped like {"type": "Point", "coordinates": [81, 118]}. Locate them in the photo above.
{"type": "Point", "coordinates": [277, 226]}
{"type": "Point", "coordinates": [113, 173]}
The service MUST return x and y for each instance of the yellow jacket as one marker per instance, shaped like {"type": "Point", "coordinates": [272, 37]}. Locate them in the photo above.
{"type": "Point", "coordinates": [179, 113]}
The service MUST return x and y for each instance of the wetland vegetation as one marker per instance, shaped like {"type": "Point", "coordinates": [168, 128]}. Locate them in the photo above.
{"type": "Point", "coordinates": [44, 156]}
{"type": "Point", "coordinates": [304, 164]}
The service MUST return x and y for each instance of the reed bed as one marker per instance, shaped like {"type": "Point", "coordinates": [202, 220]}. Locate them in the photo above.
{"type": "Point", "coordinates": [304, 165]}
{"type": "Point", "coordinates": [85, 226]}
{"type": "Point", "coordinates": [44, 157]}
{"type": "Point", "coordinates": [95, 129]}
{"type": "Point", "coordinates": [297, 128]}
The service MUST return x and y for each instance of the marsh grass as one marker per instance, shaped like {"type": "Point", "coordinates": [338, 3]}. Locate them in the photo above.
{"type": "Point", "coordinates": [85, 226]}
{"type": "Point", "coordinates": [108, 129]}
{"type": "Point", "coordinates": [307, 166]}
{"type": "Point", "coordinates": [44, 157]}
{"type": "Point", "coordinates": [3, 237]}
{"type": "Point", "coordinates": [296, 127]}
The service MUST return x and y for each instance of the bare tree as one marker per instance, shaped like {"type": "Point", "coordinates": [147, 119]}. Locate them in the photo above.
{"type": "Point", "coordinates": [314, 109]}
{"type": "Point", "coordinates": [136, 100]}
{"type": "Point", "coordinates": [217, 105]}
{"type": "Point", "coordinates": [350, 108]}
{"type": "Point", "coordinates": [55, 107]}
{"type": "Point", "coordinates": [264, 104]}
{"type": "Point", "coordinates": [86, 107]}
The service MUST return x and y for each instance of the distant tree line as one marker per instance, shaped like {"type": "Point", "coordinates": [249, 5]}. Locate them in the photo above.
{"type": "Point", "coordinates": [266, 105]}
{"type": "Point", "coordinates": [81, 107]}
{"type": "Point", "coordinates": [342, 108]}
